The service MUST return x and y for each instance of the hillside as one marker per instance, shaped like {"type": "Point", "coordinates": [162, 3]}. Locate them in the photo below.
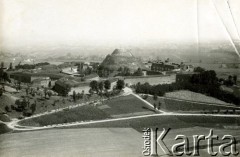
{"type": "Point", "coordinates": [122, 58]}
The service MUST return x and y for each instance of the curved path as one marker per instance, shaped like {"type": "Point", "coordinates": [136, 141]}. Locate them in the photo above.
{"type": "Point", "coordinates": [15, 126]}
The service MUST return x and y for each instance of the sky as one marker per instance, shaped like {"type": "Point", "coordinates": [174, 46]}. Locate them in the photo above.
{"type": "Point", "coordinates": [32, 25]}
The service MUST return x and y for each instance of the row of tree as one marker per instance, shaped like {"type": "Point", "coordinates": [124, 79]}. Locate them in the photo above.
{"type": "Point", "coordinates": [158, 90]}
{"type": "Point", "coordinates": [98, 87]}
{"type": "Point", "coordinates": [126, 72]}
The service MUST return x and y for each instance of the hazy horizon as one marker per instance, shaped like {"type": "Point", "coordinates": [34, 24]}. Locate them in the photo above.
{"type": "Point", "coordinates": [33, 26]}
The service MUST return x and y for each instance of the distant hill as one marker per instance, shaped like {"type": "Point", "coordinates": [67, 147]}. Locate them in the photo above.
{"type": "Point", "coordinates": [122, 58]}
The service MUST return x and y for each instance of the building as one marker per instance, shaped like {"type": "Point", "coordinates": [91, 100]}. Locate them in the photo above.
{"type": "Point", "coordinates": [41, 81]}
{"type": "Point", "coordinates": [187, 68]}
{"type": "Point", "coordinates": [70, 70]}
{"type": "Point", "coordinates": [161, 66]}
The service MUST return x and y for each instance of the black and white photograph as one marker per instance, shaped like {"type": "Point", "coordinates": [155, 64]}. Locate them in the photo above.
{"type": "Point", "coordinates": [119, 78]}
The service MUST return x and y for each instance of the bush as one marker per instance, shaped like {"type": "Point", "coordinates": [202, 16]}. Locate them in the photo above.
{"type": "Point", "coordinates": [8, 109]}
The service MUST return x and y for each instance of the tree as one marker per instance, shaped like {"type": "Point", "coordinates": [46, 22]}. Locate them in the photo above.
{"type": "Point", "coordinates": [33, 107]}
{"type": "Point", "coordinates": [74, 96]}
{"type": "Point", "coordinates": [120, 84]}
{"type": "Point", "coordinates": [1, 91]}
{"type": "Point", "coordinates": [27, 90]}
{"type": "Point", "coordinates": [82, 94]}
{"type": "Point", "coordinates": [49, 84]}
{"type": "Point", "coordinates": [10, 66]}
{"type": "Point", "coordinates": [45, 92]}
{"type": "Point", "coordinates": [155, 97]}
{"type": "Point", "coordinates": [7, 108]}
{"type": "Point", "coordinates": [94, 85]}
{"type": "Point", "coordinates": [90, 91]}
{"type": "Point", "coordinates": [107, 84]}
{"type": "Point", "coordinates": [120, 69]}
{"type": "Point", "coordinates": [79, 96]}
{"type": "Point", "coordinates": [138, 72]}
{"type": "Point", "coordinates": [100, 86]}
{"type": "Point", "coordinates": [154, 105]}
{"type": "Point", "coordinates": [126, 71]}
{"type": "Point", "coordinates": [66, 90]}
{"type": "Point", "coordinates": [199, 69]}
{"type": "Point", "coordinates": [24, 104]}
{"type": "Point", "coordinates": [49, 93]}
{"type": "Point", "coordinates": [159, 105]}
{"type": "Point", "coordinates": [19, 85]}
{"type": "Point", "coordinates": [229, 81]}
{"type": "Point", "coordinates": [6, 77]}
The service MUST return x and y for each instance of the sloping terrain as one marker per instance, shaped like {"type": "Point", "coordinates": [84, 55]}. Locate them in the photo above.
{"type": "Point", "coordinates": [192, 96]}
{"type": "Point", "coordinates": [122, 58]}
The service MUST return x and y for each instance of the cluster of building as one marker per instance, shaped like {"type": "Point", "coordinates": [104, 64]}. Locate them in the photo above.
{"type": "Point", "coordinates": [76, 75]}
{"type": "Point", "coordinates": [166, 66]}
{"type": "Point", "coordinates": [79, 68]}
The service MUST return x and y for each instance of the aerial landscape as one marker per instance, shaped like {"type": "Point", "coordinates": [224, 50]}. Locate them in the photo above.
{"type": "Point", "coordinates": [106, 78]}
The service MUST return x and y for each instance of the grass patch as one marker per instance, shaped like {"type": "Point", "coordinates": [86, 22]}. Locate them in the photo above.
{"type": "Point", "coordinates": [83, 113]}
{"type": "Point", "coordinates": [178, 105]}
{"type": "Point", "coordinates": [193, 96]}
{"type": "Point", "coordinates": [209, 121]}
{"type": "Point", "coordinates": [125, 104]}
{"type": "Point", "coordinates": [4, 128]}
{"type": "Point", "coordinates": [167, 121]}
{"type": "Point", "coordinates": [140, 123]}
{"type": "Point", "coordinates": [4, 118]}
{"type": "Point", "coordinates": [172, 104]}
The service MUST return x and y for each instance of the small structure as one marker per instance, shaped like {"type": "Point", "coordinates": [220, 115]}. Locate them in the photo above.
{"type": "Point", "coordinates": [187, 68]}
{"type": "Point", "coordinates": [40, 81]}
{"type": "Point", "coordinates": [70, 70]}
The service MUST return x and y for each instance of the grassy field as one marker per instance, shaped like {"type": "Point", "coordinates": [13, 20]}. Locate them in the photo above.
{"type": "Point", "coordinates": [209, 121]}
{"type": "Point", "coordinates": [125, 105]}
{"type": "Point", "coordinates": [172, 104]}
{"type": "Point", "coordinates": [192, 96]}
{"type": "Point", "coordinates": [167, 121]}
{"type": "Point", "coordinates": [140, 123]}
{"type": "Point", "coordinates": [179, 105]}
{"type": "Point", "coordinates": [83, 113]}
{"type": "Point", "coordinates": [103, 142]}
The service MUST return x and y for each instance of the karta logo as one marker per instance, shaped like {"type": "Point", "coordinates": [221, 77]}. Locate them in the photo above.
{"type": "Point", "coordinates": [155, 144]}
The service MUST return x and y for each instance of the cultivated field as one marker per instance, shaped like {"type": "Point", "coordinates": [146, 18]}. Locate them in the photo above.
{"type": "Point", "coordinates": [88, 142]}
{"type": "Point", "coordinates": [185, 105]}
{"type": "Point", "coordinates": [192, 96]}
{"type": "Point", "coordinates": [125, 106]}
{"type": "Point", "coordinates": [169, 121]}
{"type": "Point", "coordinates": [83, 113]}
{"type": "Point", "coordinates": [107, 142]}
{"type": "Point", "coordinates": [182, 105]}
